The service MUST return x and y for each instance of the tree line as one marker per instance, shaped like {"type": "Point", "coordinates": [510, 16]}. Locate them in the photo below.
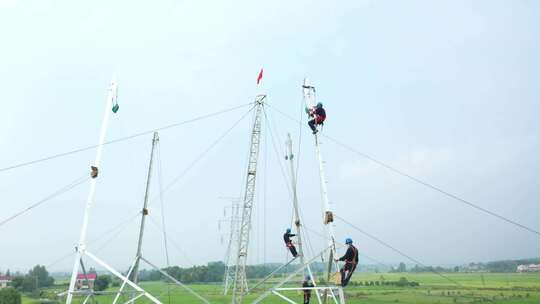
{"type": "Point", "coordinates": [504, 266]}
{"type": "Point", "coordinates": [214, 272]}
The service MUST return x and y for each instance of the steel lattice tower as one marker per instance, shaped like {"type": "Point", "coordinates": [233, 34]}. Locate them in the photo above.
{"type": "Point", "coordinates": [231, 247]}
{"type": "Point", "coordinates": [240, 281]}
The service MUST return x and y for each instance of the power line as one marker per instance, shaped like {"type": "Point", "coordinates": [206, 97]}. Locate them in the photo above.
{"type": "Point", "coordinates": [46, 158]}
{"type": "Point", "coordinates": [115, 235]}
{"type": "Point", "coordinates": [374, 260]}
{"type": "Point", "coordinates": [58, 192]}
{"type": "Point", "coordinates": [122, 224]}
{"type": "Point", "coordinates": [200, 157]}
{"type": "Point", "coordinates": [424, 183]}
{"type": "Point", "coordinates": [378, 240]}
{"type": "Point", "coordinates": [431, 186]}
{"type": "Point", "coordinates": [175, 245]}
{"type": "Point", "coordinates": [107, 232]}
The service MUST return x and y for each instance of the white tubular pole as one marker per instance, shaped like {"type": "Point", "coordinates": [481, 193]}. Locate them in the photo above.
{"type": "Point", "coordinates": [341, 295]}
{"type": "Point", "coordinates": [135, 298]}
{"type": "Point", "coordinates": [310, 101]}
{"type": "Point", "coordinates": [333, 296]}
{"type": "Point", "coordinates": [86, 299]}
{"type": "Point", "coordinates": [176, 281]}
{"type": "Point", "coordinates": [81, 246]}
{"type": "Point", "coordinates": [271, 274]}
{"type": "Point", "coordinates": [120, 276]}
{"type": "Point", "coordinates": [324, 194]}
{"type": "Point", "coordinates": [314, 284]}
{"type": "Point", "coordinates": [298, 223]}
{"type": "Point", "coordinates": [283, 297]}
{"type": "Point", "coordinates": [124, 282]}
{"type": "Point", "coordinates": [144, 213]}
{"type": "Point", "coordinates": [287, 279]}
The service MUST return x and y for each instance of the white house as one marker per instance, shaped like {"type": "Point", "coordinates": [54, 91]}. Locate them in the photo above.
{"type": "Point", "coordinates": [528, 268]}
{"type": "Point", "coordinates": [5, 281]}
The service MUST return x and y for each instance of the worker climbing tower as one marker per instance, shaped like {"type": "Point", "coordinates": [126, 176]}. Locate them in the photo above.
{"type": "Point", "coordinates": [328, 216]}
{"type": "Point", "coordinates": [329, 291]}
{"type": "Point", "coordinates": [239, 285]}
{"type": "Point", "coordinates": [297, 220]}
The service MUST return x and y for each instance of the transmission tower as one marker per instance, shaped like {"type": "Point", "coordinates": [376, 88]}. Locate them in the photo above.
{"type": "Point", "coordinates": [240, 281]}
{"type": "Point", "coordinates": [234, 222]}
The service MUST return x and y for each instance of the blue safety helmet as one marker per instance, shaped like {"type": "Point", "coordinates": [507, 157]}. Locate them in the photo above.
{"type": "Point", "coordinates": [288, 230]}
{"type": "Point", "coordinates": [319, 105]}
{"type": "Point", "coordinates": [348, 241]}
{"type": "Point", "coordinates": [308, 278]}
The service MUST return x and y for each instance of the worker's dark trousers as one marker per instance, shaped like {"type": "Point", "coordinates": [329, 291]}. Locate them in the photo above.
{"type": "Point", "coordinates": [312, 124]}
{"type": "Point", "coordinates": [346, 273]}
{"type": "Point", "coordinates": [307, 296]}
{"type": "Point", "coordinates": [292, 249]}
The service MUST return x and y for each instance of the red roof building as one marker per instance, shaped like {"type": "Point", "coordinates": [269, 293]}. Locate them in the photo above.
{"type": "Point", "coordinates": [89, 276]}
{"type": "Point", "coordinates": [85, 281]}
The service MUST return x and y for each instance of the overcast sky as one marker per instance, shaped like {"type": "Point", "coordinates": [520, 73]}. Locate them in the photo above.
{"type": "Point", "coordinates": [447, 91]}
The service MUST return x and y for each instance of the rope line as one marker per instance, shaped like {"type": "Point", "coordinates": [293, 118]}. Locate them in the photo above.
{"type": "Point", "coordinates": [119, 229]}
{"type": "Point", "coordinates": [378, 240]}
{"type": "Point", "coordinates": [162, 208]}
{"type": "Point", "coordinates": [431, 186]}
{"type": "Point", "coordinates": [283, 173]}
{"type": "Point", "coordinates": [188, 168]}
{"type": "Point", "coordinates": [58, 192]}
{"type": "Point", "coordinates": [107, 232]}
{"type": "Point", "coordinates": [421, 182]}
{"type": "Point", "coordinates": [160, 181]}
{"type": "Point", "coordinates": [121, 139]}
{"type": "Point", "coordinates": [175, 245]}
{"type": "Point", "coordinates": [374, 260]}
{"type": "Point", "coordinates": [161, 193]}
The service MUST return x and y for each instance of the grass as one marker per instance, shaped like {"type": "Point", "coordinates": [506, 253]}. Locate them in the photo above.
{"type": "Point", "coordinates": [493, 288]}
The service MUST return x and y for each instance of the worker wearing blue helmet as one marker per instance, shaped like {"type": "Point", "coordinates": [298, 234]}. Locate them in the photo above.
{"type": "Point", "coordinates": [318, 114]}
{"type": "Point", "coordinates": [307, 292]}
{"type": "Point", "coordinates": [351, 261]}
{"type": "Point", "coordinates": [287, 238]}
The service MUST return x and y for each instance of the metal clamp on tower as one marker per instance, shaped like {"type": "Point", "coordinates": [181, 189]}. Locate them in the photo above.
{"type": "Point", "coordinates": [94, 171]}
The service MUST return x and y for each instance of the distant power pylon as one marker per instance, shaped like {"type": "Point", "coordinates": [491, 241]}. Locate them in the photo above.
{"type": "Point", "coordinates": [235, 275]}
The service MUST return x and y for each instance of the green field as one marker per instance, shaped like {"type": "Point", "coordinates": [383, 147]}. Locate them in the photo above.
{"type": "Point", "coordinates": [475, 288]}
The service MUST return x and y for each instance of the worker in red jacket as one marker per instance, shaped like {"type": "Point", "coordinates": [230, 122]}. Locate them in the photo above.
{"type": "Point", "coordinates": [287, 238]}
{"type": "Point", "coordinates": [319, 115]}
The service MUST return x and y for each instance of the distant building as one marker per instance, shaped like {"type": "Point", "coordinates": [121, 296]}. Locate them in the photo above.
{"type": "Point", "coordinates": [85, 281]}
{"type": "Point", "coordinates": [5, 281]}
{"type": "Point", "coordinates": [528, 268]}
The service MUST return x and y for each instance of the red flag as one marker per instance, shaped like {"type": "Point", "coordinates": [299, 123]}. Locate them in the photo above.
{"type": "Point", "coordinates": [260, 76]}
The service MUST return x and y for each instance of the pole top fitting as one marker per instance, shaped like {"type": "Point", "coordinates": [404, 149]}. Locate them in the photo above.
{"type": "Point", "coordinates": [94, 172]}
{"type": "Point", "coordinates": [260, 99]}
